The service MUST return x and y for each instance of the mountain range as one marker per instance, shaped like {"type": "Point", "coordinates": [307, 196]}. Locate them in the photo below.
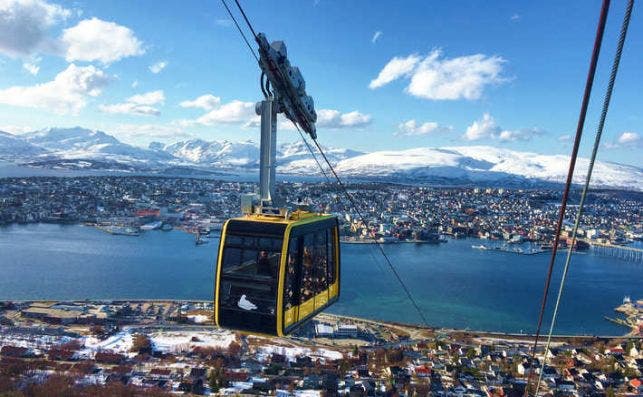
{"type": "Point", "coordinates": [80, 148]}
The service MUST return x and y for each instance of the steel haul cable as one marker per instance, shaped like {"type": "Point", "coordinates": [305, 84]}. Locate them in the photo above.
{"type": "Point", "coordinates": [597, 141]}
{"type": "Point", "coordinates": [241, 31]}
{"type": "Point", "coordinates": [600, 30]}
{"type": "Point", "coordinates": [379, 245]}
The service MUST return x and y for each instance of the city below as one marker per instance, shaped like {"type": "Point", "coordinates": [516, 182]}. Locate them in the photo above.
{"type": "Point", "coordinates": [393, 213]}
{"type": "Point", "coordinates": [161, 347]}
{"type": "Point", "coordinates": [165, 347]}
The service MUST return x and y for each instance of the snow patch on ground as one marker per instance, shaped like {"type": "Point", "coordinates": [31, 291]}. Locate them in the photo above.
{"type": "Point", "coordinates": [120, 342]}
{"type": "Point", "coordinates": [291, 353]}
{"type": "Point", "coordinates": [173, 342]}
{"type": "Point", "coordinates": [163, 341]}
{"type": "Point", "coordinates": [198, 318]}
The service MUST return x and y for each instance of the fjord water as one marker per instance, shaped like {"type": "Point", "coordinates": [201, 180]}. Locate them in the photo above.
{"type": "Point", "coordinates": [455, 285]}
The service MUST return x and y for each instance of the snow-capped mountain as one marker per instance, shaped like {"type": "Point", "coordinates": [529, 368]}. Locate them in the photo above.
{"type": "Point", "coordinates": [295, 158]}
{"type": "Point", "coordinates": [68, 139]}
{"type": "Point", "coordinates": [76, 148]}
{"type": "Point", "coordinates": [485, 164]}
{"type": "Point", "coordinates": [291, 157]}
{"type": "Point", "coordinates": [81, 143]}
{"type": "Point", "coordinates": [292, 151]}
{"type": "Point", "coordinates": [215, 153]}
{"type": "Point", "coordinates": [13, 148]}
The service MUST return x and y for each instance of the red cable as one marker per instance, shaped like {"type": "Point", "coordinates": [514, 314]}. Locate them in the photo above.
{"type": "Point", "coordinates": [570, 173]}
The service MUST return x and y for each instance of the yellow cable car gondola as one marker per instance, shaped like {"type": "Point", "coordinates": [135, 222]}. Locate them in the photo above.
{"type": "Point", "coordinates": [276, 269]}
{"type": "Point", "coordinates": [275, 273]}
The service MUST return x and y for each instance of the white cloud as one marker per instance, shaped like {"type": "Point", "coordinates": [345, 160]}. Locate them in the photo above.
{"type": "Point", "coordinates": [628, 137]}
{"type": "Point", "coordinates": [157, 67]}
{"type": "Point", "coordinates": [16, 129]}
{"type": "Point", "coordinates": [564, 138]}
{"type": "Point", "coordinates": [134, 83]}
{"type": "Point", "coordinates": [412, 128]}
{"type": "Point", "coordinates": [141, 104]}
{"type": "Point", "coordinates": [523, 134]}
{"type": "Point", "coordinates": [240, 112]}
{"type": "Point", "coordinates": [437, 78]}
{"type": "Point", "coordinates": [31, 67]}
{"type": "Point", "coordinates": [330, 118]}
{"type": "Point", "coordinates": [223, 22]}
{"type": "Point", "coordinates": [66, 94]}
{"type": "Point", "coordinates": [487, 128]}
{"type": "Point", "coordinates": [24, 24]}
{"type": "Point", "coordinates": [515, 18]}
{"type": "Point", "coordinates": [98, 40]}
{"type": "Point", "coordinates": [394, 69]}
{"type": "Point", "coordinates": [205, 102]}
{"type": "Point", "coordinates": [229, 113]}
{"type": "Point", "coordinates": [149, 98]}
{"type": "Point", "coordinates": [283, 123]}
{"type": "Point", "coordinates": [456, 78]}
{"type": "Point", "coordinates": [376, 36]}
{"type": "Point", "coordinates": [255, 122]}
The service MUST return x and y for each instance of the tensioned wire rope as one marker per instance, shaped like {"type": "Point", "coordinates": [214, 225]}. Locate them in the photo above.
{"type": "Point", "coordinates": [570, 174]}
{"type": "Point", "coordinates": [588, 177]}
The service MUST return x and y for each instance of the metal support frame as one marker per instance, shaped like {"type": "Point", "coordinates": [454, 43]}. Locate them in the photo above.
{"type": "Point", "coordinates": [267, 109]}
{"type": "Point", "coordinates": [287, 95]}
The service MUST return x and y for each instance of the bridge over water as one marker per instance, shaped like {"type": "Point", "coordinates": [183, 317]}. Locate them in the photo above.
{"type": "Point", "coordinates": [624, 252]}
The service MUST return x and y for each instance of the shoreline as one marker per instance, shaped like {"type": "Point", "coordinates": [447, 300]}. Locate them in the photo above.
{"type": "Point", "coordinates": [345, 240]}
{"type": "Point", "coordinates": [336, 317]}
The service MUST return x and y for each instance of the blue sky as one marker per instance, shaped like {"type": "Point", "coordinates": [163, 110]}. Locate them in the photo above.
{"type": "Point", "coordinates": [506, 74]}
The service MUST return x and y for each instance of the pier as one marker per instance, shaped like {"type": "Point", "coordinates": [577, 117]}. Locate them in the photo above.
{"type": "Point", "coordinates": [618, 251]}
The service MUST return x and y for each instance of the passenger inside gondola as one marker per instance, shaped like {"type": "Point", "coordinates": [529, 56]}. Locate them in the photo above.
{"type": "Point", "coordinates": [264, 267]}
{"type": "Point", "coordinates": [291, 274]}
{"type": "Point", "coordinates": [307, 275]}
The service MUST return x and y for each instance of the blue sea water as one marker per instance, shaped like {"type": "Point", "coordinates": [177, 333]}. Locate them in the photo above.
{"type": "Point", "coordinates": [455, 286]}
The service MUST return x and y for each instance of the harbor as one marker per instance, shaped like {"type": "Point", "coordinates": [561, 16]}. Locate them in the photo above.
{"type": "Point", "coordinates": [456, 286]}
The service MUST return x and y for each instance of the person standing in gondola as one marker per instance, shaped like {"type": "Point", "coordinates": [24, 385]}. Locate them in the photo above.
{"type": "Point", "coordinates": [263, 264]}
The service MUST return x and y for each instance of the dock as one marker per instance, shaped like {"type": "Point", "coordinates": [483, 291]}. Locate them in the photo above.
{"type": "Point", "coordinates": [624, 252]}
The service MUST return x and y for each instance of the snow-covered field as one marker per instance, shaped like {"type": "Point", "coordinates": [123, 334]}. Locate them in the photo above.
{"type": "Point", "coordinates": [120, 342]}
{"type": "Point", "coordinates": [172, 342]}
{"type": "Point", "coordinates": [163, 341]}
{"type": "Point", "coordinates": [198, 318]}
{"type": "Point", "coordinates": [291, 353]}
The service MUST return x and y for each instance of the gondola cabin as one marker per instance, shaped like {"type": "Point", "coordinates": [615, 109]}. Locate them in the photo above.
{"type": "Point", "coordinates": [275, 273]}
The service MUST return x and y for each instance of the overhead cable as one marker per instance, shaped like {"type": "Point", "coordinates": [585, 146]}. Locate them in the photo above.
{"type": "Point", "coordinates": [570, 173]}
{"type": "Point", "coordinates": [588, 177]}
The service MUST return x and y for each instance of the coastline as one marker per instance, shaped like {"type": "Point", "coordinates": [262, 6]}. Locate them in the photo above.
{"type": "Point", "coordinates": [120, 261]}
{"type": "Point", "coordinates": [412, 329]}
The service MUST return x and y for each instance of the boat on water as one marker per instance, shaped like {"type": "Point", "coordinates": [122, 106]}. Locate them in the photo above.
{"type": "Point", "coordinates": [198, 239]}
{"type": "Point", "coordinates": [479, 247]}
{"type": "Point", "coordinates": [166, 227]}
{"type": "Point", "coordinates": [152, 225]}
